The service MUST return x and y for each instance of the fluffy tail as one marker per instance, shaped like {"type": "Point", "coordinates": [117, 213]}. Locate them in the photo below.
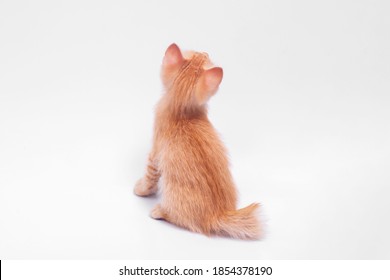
{"type": "Point", "coordinates": [241, 224]}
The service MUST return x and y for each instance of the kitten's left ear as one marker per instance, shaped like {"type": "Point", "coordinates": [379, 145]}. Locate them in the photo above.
{"type": "Point", "coordinates": [172, 56]}
{"type": "Point", "coordinates": [210, 81]}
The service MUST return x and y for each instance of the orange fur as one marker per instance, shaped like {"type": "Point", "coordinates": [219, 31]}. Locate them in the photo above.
{"type": "Point", "coordinates": [198, 191]}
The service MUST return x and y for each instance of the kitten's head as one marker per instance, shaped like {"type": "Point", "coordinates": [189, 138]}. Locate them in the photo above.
{"type": "Point", "coordinates": [189, 78]}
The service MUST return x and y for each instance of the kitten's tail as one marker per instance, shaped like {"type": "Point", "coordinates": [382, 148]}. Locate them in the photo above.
{"type": "Point", "coordinates": [242, 223]}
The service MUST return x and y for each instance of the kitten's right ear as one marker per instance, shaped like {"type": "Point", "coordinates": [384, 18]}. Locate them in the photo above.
{"type": "Point", "coordinates": [209, 84]}
{"type": "Point", "coordinates": [173, 56]}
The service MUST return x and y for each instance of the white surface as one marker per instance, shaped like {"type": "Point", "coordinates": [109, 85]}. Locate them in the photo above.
{"type": "Point", "coordinates": [303, 109]}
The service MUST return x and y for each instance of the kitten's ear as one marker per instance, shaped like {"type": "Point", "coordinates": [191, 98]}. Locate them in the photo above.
{"type": "Point", "coordinates": [173, 56]}
{"type": "Point", "coordinates": [210, 82]}
{"type": "Point", "coordinates": [212, 78]}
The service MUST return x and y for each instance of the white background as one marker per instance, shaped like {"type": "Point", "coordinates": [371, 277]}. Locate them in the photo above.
{"type": "Point", "coordinates": [303, 110]}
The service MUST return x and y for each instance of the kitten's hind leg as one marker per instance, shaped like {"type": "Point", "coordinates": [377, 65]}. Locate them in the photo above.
{"type": "Point", "coordinates": [148, 184]}
{"type": "Point", "coordinates": [158, 213]}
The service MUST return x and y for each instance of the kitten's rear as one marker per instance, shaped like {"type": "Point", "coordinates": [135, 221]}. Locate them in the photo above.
{"type": "Point", "coordinates": [198, 192]}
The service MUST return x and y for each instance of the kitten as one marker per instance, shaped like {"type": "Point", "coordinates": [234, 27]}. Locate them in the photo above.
{"type": "Point", "coordinates": [198, 192]}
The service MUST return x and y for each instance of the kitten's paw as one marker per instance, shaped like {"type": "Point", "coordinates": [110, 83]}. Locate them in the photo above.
{"type": "Point", "coordinates": [157, 213]}
{"type": "Point", "coordinates": [143, 189]}
{"type": "Point", "coordinates": [139, 188]}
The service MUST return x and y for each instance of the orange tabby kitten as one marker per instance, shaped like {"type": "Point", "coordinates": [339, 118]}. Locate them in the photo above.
{"type": "Point", "coordinates": [198, 192]}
